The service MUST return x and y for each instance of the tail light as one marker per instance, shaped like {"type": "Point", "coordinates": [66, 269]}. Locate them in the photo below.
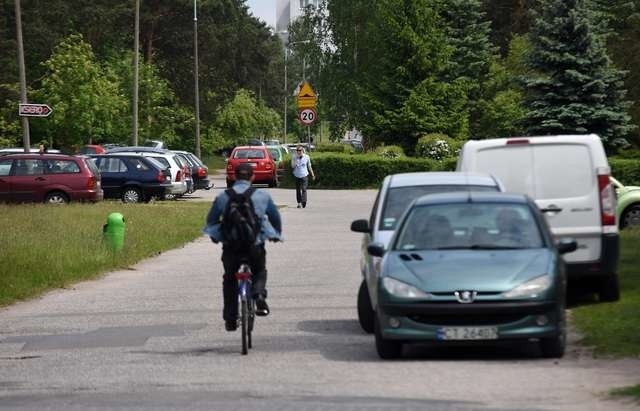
{"type": "Point", "coordinates": [161, 177]}
{"type": "Point", "coordinates": [179, 176]}
{"type": "Point", "coordinates": [515, 141]}
{"type": "Point", "coordinates": [607, 200]}
{"type": "Point", "coordinates": [269, 165]}
{"type": "Point", "coordinates": [202, 172]}
{"type": "Point", "coordinates": [91, 183]}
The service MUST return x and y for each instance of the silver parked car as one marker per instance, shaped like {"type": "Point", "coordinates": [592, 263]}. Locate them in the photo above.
{"type": "Point", "coordinates": [397, 192]}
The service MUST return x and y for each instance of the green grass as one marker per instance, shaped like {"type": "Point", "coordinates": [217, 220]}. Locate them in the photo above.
{"type": "Point", "coordinates": [45, 247]}
{"type": "Point", "coordinates": [613, 329]}
{"type": "Point", "coordinates": [633, 392]}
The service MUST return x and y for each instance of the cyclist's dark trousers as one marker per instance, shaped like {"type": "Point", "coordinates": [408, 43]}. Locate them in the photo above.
{"type": "Point", "coordinates": [231, 260]}
{"type": "Point", "coordinates": [301, 189]}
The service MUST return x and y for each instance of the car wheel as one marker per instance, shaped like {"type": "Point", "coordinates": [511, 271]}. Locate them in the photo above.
{"type": "Point", "coordinates": [387, 349]}
{"type": "Point", "coordinates": [131, 195]}
{"type": "Point", "coordinates": [365, 311]}
{"type": "Point", "coordinates": [274, 182]}
{"type": "Point", "coordinates": [609, 288]}
{"type": "Point", "coordinates": [555, 347]}
{"type": "Point", "coordinates": [630, 216]}
{"type": "Point", "coordinates": [56, 197]}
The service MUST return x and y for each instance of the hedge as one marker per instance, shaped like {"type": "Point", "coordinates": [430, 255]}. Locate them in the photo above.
{"type": "Point", "coordinates": [346, 171]}
{"type": "Point", "coordinates": [627, 171]}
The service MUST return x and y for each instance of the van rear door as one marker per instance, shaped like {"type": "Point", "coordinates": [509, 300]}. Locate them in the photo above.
{"type": "Point", "coordinates": [567, 191]}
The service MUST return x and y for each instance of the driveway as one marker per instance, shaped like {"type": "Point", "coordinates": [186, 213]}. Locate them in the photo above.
{"type": "Point", "coordinates": [152, 337]}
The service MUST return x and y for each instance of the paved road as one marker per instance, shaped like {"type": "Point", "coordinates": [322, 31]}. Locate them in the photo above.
{"type": "Point", "coordinates": [152, 337]}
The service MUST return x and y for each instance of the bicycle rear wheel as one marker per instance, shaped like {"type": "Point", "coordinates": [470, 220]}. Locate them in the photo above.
{"type": "Point", "coordinates": [244, 323]}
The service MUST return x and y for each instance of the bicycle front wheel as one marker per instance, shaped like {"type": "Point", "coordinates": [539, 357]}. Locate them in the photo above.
{"type": "Point", "coordinates": [252, 310]}
{"type": "Point", "coordinates": [244, 323]}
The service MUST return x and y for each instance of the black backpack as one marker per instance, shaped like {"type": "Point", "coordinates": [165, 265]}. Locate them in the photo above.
{"type": "Point", "coordinates": [240, 224]}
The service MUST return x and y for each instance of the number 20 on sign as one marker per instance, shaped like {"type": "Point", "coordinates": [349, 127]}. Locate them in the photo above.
{"type": "Point", "coordinates": [307, 116]}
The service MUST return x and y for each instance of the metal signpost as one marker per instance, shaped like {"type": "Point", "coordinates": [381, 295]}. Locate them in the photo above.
{"type": "Point", "coordinates": [307, 114]}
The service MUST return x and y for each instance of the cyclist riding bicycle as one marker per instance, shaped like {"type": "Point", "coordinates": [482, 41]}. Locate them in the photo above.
{"type": "Point", "coordinates": [268, 216]}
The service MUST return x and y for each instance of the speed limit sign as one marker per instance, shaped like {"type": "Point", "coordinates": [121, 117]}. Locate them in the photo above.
{"type": "Point", "coordinates": [307, 116]}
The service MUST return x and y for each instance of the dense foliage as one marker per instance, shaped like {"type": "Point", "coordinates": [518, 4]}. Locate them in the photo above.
{"type": "Point", "coordinates": [394, 69]}
{"type": "Point", "coordinates": [574, 88]}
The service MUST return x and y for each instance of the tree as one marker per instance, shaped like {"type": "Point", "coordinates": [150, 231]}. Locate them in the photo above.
{"type": "Point", "coordinates": [86, 99]}
{"type": "Point", "coordinates": [574, 87]}
{"type": "Point", "coordinates": [241, 119]}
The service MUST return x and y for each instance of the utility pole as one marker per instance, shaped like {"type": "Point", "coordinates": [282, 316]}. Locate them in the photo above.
{"type": "Point", "coordinates": [136, 58]}
{"type": "Point", "coordinates": [23, 78]}
{"type": "Point", "coordinates": [197, 88]}
{"type": "Point", "coordinates": [286, 51]}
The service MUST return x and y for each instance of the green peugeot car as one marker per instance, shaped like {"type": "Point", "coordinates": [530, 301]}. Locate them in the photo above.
{"type": "Point", "coordinates": [473, 267]}
{"type": "Point", "coordinates": [628, 209]}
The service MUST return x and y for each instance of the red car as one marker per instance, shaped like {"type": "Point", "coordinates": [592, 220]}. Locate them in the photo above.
{"type": "Point", "coordinates": [49, 178]}
{"type": "Point", "coordinates": [264, 167]}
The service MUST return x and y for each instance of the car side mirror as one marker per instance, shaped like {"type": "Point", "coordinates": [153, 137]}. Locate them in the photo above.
{"type": "Point", "coordinates": [567, 245]}
{"type": "Point", "coordinates": [376, 249]}
{"type": "Point", "coordinates": [360, 226]}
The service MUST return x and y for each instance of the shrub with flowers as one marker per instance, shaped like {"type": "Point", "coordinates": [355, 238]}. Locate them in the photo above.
{"type": "Point", "coordinates": [390, 152]}
{"type": "Point", "coordinates": [437, 146]}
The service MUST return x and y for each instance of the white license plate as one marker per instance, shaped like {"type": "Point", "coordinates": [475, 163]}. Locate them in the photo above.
{"type": "Point", "coordinates": [467, 333]}
{"type": "Point", "coordinates": [253, 164]}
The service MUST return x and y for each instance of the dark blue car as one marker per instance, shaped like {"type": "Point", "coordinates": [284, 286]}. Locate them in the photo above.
{"type": "Point", "coordinates": [132, 178]}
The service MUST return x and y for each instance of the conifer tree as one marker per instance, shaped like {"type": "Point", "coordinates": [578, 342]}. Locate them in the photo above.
{"type": "Point", "coordinates": [574, 87]}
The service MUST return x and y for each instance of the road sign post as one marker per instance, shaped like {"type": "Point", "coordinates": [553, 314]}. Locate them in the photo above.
{"type": "Point", "coordinates": [34, 110]}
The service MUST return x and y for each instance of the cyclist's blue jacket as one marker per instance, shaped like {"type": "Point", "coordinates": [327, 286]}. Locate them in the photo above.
{"type": "Point", "coordinates": [266, 211]}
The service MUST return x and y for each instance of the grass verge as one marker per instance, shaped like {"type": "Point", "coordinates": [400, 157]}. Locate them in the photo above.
{"type": "Point", "coordinates": [633, 392]}
{"type": "Point", "coordinates": [613, 329]}
{"type": "Point", "coordinates": [45, 247]}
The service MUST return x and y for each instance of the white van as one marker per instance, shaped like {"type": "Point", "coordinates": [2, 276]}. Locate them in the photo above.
{"type": "Point", "coordinates": [568, 177]}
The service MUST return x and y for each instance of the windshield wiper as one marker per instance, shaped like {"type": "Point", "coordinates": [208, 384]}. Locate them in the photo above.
{"type": "Point", "coordinates": [494, 247]}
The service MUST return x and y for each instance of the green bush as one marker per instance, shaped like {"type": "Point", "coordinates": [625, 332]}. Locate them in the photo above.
{"type": "Point", "coordinates": [331, 148]}
{"type": "Point", "coordinates": [390, 152]}
{"type": "Point", "coordinates": [345, 171]}
{"type": "Point", "coordinates": [436, 146]}
{"type": "Point", "coordinates": [626, 171]}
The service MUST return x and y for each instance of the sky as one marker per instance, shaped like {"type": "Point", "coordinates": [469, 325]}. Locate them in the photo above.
{"type": "Point", "coordinates": [264, 10]}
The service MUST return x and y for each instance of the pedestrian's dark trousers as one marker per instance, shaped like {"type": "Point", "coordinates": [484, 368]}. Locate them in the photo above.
{"type": "Point", "coordinates": [301, 189]}
{"type": "Point", "coordinates": [231, 260]}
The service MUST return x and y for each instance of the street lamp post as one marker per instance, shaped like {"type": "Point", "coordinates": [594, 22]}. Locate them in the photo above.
{"type": "Point", "coordinates": [197, 89]}
{"type": "Point", "coordinates": [136, 57]}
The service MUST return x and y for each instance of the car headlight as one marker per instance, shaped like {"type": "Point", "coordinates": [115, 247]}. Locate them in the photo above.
{"type": "Point", "coordinates": [530, 289]}
{"type": "Point", "coordinates": [404, 290]}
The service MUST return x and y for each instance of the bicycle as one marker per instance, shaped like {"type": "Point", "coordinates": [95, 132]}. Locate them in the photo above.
{"type": "Point", "coordinates": [246, 305]}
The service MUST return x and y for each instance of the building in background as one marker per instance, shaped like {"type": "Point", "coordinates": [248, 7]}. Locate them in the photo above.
{"type": "Point", "coordinates": [289, 10]}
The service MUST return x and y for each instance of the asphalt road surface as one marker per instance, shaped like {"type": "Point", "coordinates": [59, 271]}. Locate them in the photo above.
{"type": "Point", "coordinates": [152, 338]}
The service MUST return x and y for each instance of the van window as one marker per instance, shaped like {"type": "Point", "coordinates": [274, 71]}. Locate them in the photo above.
{"type": "Point", "coordinates": [512, 166]}
{"type": "Point", "coordinates": [563, 170]}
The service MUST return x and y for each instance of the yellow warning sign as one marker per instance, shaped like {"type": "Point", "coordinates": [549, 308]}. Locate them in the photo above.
{"type": "Point", "coordinates": [306, 97]}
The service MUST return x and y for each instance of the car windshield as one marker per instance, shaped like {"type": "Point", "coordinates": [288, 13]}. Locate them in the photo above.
{"type": "Point", "coordinates": [469, 226]}
{"type": "Point", "coordinates": [398, 198]}
{"type": "Point", "coordinates": [249, 154]}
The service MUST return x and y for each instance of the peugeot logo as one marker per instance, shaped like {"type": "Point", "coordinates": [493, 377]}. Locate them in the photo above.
{"type": "Point", "coordinates": [465, 297]}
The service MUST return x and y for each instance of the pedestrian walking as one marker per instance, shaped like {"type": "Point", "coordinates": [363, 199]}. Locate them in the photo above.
{"type": "Point", "coordinates": [301, 165]}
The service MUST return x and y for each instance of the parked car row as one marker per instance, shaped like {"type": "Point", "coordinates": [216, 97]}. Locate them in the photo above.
{"type": "Point", "coordinates": [131, 174]}
{"type": "Point", "coordinates": [486, 253]}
